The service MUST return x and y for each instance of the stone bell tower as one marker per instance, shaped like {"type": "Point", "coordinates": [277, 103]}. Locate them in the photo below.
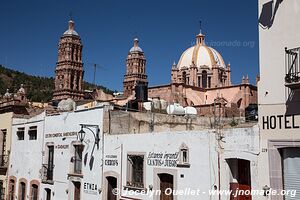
{"type": "Point", "coordinates": [69, 67]}
{"type": "Point", "coordinates": [135, 69]}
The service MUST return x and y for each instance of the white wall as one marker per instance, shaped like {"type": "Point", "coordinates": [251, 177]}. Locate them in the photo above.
{"type": "Point", "coordinates": [203, 156]}
{"type": "Point", "coordinates": [273, 95]}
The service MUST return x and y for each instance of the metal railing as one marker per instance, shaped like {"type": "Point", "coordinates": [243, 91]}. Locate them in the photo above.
{"type": "Point", "coordinates": [47, 172]}
{"type": "Point", "coordinates": [292, 66]}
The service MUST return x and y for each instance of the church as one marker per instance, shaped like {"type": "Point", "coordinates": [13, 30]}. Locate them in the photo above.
{"type": "Point", "coordinates": [200, 79]}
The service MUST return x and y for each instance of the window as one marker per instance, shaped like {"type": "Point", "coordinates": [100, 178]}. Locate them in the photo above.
{"type": "Point", "coordinates": [78, 159]}
{"type": "Point", "coordinates": [4, 133]}
{"type": "Point", "coordinates": [183, 156]}
{"type": "Point", "coordinates": [209, 82]}
{"type": "Point", "coordinates": [20, 133]}
{"type": "Point", "coordinates": [22, 191]}
{"type": "Point", "coordinates": [2, 191]}
{"type": "Point", "coordinates": [135, 176]}
{"type": "Point", "coordinates": [11, 187]}
{"type": "Point", "coordinates": [49, 165]}
{"type": "Point", "coordinates": [32, 132]}
{"type": "Point", "coordinates": [34, 192]}
{"type": "Point", "coordinates": [199, 81]}
{"type": "Point", "coordinates": [204, 79]}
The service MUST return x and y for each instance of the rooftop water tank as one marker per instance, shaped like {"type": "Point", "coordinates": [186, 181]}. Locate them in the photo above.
{"type": "Point", "coordinates": [147, 105]}
{"type": "Point", "coordinates": [190, 110]}
{"type": "Point", "coordinates": [175, 109]}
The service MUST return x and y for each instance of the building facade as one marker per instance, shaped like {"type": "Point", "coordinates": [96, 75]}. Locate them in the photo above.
{"type": "Point", "coordinates": [279, 96]}
{"type": "Point", "coordinates": [69, 68]}
{"type": "Point", "coordinates": [26, 157]}
{"type": "Point", "coordinates": [10, 105]}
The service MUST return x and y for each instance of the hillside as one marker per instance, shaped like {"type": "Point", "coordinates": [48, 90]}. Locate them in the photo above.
{"type": "Point", "coordinates": [38, 88]}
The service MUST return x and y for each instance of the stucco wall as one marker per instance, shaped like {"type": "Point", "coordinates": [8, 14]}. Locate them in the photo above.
{"type": "Point", "coordinates": [276, 102]}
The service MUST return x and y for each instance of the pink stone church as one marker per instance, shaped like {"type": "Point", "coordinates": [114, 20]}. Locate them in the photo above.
{"type": "Point", "coordinates": [200, 79]}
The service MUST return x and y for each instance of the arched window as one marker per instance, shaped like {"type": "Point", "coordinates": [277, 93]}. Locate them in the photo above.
{"type": "Point", "coordinates": [11, 188]}
{"type": "Point", "coordinates": [34, 190]}
{"type": "Point", "coordinates": [204, 79]}
{"type": "Point", "coordinates": [22, 191]}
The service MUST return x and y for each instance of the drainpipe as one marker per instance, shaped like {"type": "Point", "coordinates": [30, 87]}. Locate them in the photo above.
{"type": "Point", "coordinates": [219, 174]}
{"type": "Point", "coordinates": [121, 173]}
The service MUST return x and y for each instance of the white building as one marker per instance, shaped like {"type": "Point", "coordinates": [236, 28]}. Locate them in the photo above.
{"type": "Point", "coordinates": [26, 158]}
{"type": "Point", "coordinates": [138, 156]}
{"type": "Point", "coordinates": [72, 169]}
{"type": "Point", "coordinates": [279, 160]}
{"type": "Point", "coordinates": [190, 158]}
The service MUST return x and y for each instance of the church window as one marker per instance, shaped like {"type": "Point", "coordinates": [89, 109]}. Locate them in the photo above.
{"type": "Point", "coordinates": [204, 79]}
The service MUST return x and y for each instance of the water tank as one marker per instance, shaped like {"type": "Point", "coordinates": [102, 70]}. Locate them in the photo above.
{"type": "Point", "coordinates": [175, 109]}
{"type": "Point", "coordinates": [147, 105]}
{"type": "Point", "coordinates": [190, 110]}
{"type": "Point", "coordinates": [156, 104]}
{"type": "Point", "coordinates": [163, 104]}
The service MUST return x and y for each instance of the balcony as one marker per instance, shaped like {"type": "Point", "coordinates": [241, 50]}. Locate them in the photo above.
{"type": "Point", "coordinates": [47, 173]}
{"type": "Point", "coordinates": [292, 65]}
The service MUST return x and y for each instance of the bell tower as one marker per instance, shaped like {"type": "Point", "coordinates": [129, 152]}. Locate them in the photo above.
{"type": "Point", "coordinates": [135, 69]}
{"type": "Point", "coordinates": [69, 67]}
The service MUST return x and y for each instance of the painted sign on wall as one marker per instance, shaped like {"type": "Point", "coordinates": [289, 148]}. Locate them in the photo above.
{"type": "Point", "coordinates": [161, 159]}
{"type": "Point", "coordinates": [111, 160]}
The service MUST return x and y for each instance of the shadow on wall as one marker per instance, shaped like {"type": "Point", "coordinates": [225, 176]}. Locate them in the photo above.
{"type": "Point", "coordinates": [292, 104]}
{"type": "Point", "coordinates": [268, 13]}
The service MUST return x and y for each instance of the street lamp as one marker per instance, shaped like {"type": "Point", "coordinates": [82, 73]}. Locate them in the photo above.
{"type": "Point", "coordinates": [82, 133]}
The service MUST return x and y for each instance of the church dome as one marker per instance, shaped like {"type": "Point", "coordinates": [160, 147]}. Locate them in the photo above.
{"type": "Point", "coordinates": [200, 55]}
{"type": "Point", "coordinates": [71, 30]}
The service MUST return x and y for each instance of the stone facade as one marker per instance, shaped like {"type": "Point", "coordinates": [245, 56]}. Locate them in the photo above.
{"type": "Point", "coordinates": [69, 68]}
{"type": "Point", "coordinates": [135, 69]}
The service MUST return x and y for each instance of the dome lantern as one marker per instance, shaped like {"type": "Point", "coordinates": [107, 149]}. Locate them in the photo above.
{"type": "Point", "coordinates": [200, 39]}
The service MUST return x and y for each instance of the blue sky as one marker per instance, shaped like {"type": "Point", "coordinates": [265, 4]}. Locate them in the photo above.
{"type": "Point", "coordinates": [30, 31]}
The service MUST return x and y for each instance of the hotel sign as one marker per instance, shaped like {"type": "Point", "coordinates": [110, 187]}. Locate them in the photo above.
{"type": "Point", "coordinates": [279, 122]}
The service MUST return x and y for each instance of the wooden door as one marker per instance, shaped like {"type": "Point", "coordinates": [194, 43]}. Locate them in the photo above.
{"type": "Point", "coordinates": [77, 190]}
{"type": "Point", "coordinates": [111, 185]}
{"type": "Point", "coordinates": [166, 184]}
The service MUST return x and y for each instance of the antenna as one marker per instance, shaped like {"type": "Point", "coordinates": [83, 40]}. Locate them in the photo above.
{"type": "Point", "coordinates": [95, 66]}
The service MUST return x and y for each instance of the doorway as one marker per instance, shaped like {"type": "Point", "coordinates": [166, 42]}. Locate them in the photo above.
{"type": "Point", "coordinates": [166, 185]}
{"type": "Point", "coordinates": [111, 185]}
{"type": "Point", "coordinates": [240, 175]}
{"type": "Point", "coordinates": [48, 194]}
{"type": "Point", "coordinates": [76, 190]}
